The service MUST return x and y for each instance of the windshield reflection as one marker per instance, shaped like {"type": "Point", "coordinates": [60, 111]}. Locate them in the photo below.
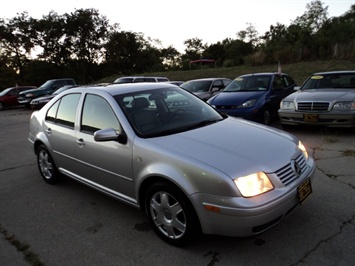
{"type": "Point", "coordinates": [165, 111]}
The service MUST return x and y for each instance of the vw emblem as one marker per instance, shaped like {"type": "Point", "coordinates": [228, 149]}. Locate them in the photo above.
{"type": "Point", "coordinates": [296, 167]}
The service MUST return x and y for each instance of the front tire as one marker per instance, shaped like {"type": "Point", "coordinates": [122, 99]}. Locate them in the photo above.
{"type": "Point", "coordinates": [46, 166]}
{"type": "Point", "coordinates": [266, 117]}
{"type": "Point", "coordinates": [171, 214]}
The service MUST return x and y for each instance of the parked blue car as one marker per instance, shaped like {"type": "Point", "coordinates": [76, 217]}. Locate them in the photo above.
{"type": "Point", "coordinates": [254, 97]}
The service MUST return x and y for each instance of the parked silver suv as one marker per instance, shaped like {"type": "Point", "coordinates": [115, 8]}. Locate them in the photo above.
{"type": "Point", "coordinates": [138, 79]}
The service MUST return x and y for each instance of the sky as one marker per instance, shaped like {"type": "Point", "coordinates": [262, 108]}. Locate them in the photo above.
{"type": "Point", "coordinates": [175, 21]}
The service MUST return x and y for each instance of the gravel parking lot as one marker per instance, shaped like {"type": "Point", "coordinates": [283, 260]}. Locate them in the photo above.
{"type": "Point", "coordinates": [70, 224]}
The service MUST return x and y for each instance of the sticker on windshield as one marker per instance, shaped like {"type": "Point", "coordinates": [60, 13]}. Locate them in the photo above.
{"type": "Point", "coordinates": [238, 79]}
{"type": "Point", "coordinates": [316, 77]}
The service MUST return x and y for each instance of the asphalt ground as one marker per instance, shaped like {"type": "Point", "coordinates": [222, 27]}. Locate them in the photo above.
{"type": "Point", "coordinates": [70, 224]}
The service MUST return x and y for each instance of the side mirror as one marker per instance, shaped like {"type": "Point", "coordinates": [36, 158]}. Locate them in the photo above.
{"type": "Point", "coordinates": [297, 88]}
{"type": "Point", "coordinates": [109, 134]}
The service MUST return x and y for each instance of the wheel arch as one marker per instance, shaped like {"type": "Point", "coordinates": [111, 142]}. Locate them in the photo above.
{"type": "Point", "coordinates": [159, 179]}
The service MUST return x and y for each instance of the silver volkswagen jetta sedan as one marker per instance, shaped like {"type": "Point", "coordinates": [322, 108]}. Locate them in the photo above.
{"type": "Point", "coordinates": [160, 148]}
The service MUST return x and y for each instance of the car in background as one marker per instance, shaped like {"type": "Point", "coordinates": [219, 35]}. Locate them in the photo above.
{"type": "Point", "coordinates": [8, 97]}
{"type": "Point", "coordinates": [159, 148]}
{"type": "Point", "coordinates": [47, 88]}
{"type": "Point", "coordinates": [39, 102]}
{"type": "Point", "coordinates": [138, 79]}
{"type": "Point", "coordinates": [324, 99]}
{"type": "Point", "coordinates": [205, 88]}
{"type": "Point", "coordinates": [176, 82]}
{"type": "Point", "coordinates": [254, 97]}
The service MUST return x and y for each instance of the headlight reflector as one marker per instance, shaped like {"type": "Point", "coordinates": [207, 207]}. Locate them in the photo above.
{"type": "Point", "coordinates": [287, 105]}
{"type": "Point", "coordinates": [249, 103]}
{"type": "Point", "coordinates": [303, 149]}
{"type": "Point", "coordinates": [254, 184]}
{"type": "Point", "coordinates": [344, 106]}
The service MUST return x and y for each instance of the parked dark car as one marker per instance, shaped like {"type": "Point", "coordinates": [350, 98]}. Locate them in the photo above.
{"type": "Point", "coordinates": [39, 102]}
{"type": "Point", "coordinates": [47, 88]}
{"type": "Point", "coordinates": [8, 97]}
{"type": "Point", "coordinates": [325, 99]}
{"type": "Point", "coordinates": [207, 87]}
{"type": "Point", "coordinates": [139, 79]}
{"type": "Point", "coordinates": [254, 97]}
{"type": "Point", "coordinates": [160, 148]}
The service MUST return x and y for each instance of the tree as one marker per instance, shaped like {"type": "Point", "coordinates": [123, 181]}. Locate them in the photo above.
{"type": "Point", "coordinates": [50, 37]}
{"type": "Point", "coordinates": [249, 35]}
{"type": "Point", "coordinates": [314, 18]}
{"type": "Point", "coordinates": [17, 41]}
{"type": "Point", "coordinates": [85, 33]}
{"type": "Point", "coordinates": [171, 58]}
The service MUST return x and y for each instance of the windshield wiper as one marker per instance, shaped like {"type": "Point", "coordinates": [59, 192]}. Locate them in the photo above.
{"type": "Point", "coordinates": [203, 123]}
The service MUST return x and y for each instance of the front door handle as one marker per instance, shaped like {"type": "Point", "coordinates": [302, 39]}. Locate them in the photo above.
{"type": "Point", "coordinates": [80, 142]}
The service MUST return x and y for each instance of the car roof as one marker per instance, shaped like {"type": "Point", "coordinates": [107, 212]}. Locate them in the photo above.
{"type": "Point", "coordinates": [116, 89]}
{"type": "Point", "coordinates": [141, 77]}
{"type": "Point", "coordinates": [335, 72]}
{"type": "Point", "coordinates": [262, 74]}
{"type": "Point", "coordinates": [205, 79]}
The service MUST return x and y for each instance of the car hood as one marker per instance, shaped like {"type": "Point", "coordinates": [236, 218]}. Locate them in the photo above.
{"type": "Point", "coordinates": [47, 97]}
{"type": "Point", "coordinates": [233, 146]}
{"type": "Point", "coordinates": [323, 95]}
{"type": "Point", "coordinates": [235, 98]}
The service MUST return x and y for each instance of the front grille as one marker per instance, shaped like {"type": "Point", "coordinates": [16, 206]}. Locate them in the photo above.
{"type": "Point", "coordinates": [287, 174]}
{"type": "Point", "coordinates": [313, 106]}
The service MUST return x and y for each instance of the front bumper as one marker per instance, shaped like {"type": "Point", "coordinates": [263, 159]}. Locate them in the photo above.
{"type": "Point", "coordinates": [243, 217]}
{"type": "Point", "coordinates": [329, 119]}
{"type": "Point", "coordinates": [24, 100]}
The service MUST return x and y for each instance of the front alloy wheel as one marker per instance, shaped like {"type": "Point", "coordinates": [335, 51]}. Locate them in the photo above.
{"type": "Point", "coordinates": [47, 166]}
{"type": "Point", "coordinates": [171, 214]}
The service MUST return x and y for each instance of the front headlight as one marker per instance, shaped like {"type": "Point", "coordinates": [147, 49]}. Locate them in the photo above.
{"type": "Point", "coordinates": [29, 95]}
{"type": "Point", "coordinates": [254, 184]}
{"type": "Point", "coordinates": [344, 106]}
{"type": "Point", "coordinates": [249, 103]}
{"type": "Point", "coordinates": [287, 105]}
{"type": "Point", "coordinates": [303, 149]}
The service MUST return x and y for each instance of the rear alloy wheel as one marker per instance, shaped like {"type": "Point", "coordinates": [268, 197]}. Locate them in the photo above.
{"type": "Point", "coordinates": [47, 166]}
{"type": "Point", "coordinates": [171, 214]}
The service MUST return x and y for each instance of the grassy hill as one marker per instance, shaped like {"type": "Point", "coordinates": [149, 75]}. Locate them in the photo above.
{"type": "Point", "coordinates": [298, 71]}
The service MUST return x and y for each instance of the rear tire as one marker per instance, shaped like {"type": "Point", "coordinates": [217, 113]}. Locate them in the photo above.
{"type": "Point", "coordinates": [46, 166]}
{"type": "Point", "coordinates": [171, 214]}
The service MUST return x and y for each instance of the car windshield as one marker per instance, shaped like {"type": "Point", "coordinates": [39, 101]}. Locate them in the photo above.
{"type": "Point", "coordinates": [197, 86]}
{"type": "Point", "coordinates": [48, 84]}
{"type": "Point", "coordinates": [165, 111]}
{"type": "Point", "coordinates": [5, 91]}
{"type": "Point", "coordinates": [249, 83]}
{"type": "Point", "coordinates": [330, 81]}
{"type": "Point", "coordinates": [124, 80]}
{"type": "Point", "coordinates": [64, 88]}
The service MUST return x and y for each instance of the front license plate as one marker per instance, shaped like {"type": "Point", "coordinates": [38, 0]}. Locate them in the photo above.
{"type": "Point", "coordinates": [304, 190]}
{"type": "Point", "coordinates": [310, 118]}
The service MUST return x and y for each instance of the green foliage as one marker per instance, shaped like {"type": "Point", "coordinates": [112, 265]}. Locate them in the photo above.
{"type": "Point", "coordinates": [83, 45]}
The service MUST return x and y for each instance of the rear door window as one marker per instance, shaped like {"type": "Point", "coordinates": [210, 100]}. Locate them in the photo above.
{"type": "Point", "coordinates": [63, 112]}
